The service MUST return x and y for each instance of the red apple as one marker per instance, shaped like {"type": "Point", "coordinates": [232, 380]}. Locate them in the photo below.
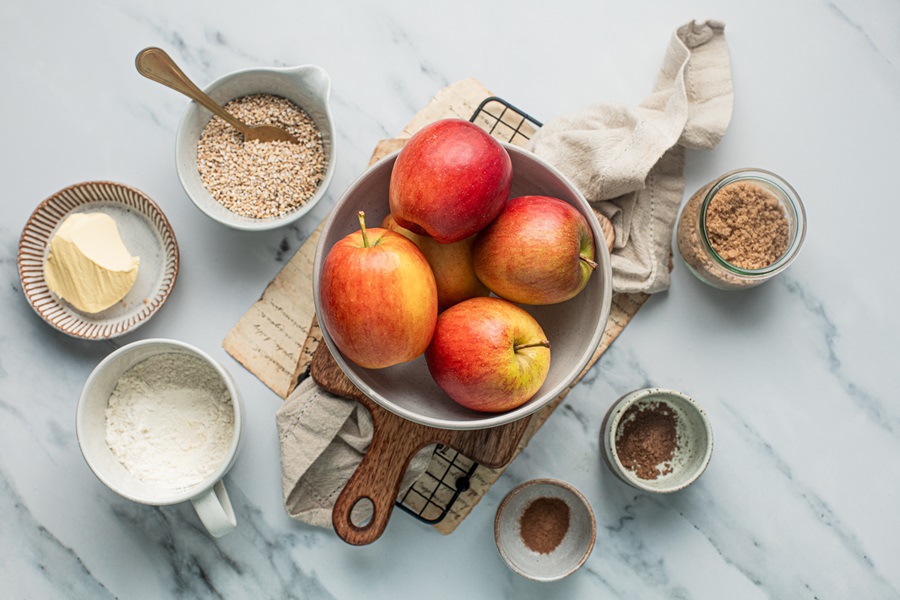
{"type": "Point", "coordinates": [449, 181]}
{"type": "Point", "coordinates": [378, 297]}
{"type": "Point", "coordinates": [488, 354]}
{"type": "Point", "coordinates": [451, 264]}
{"type": "Point", "coordinates": [540, 250]}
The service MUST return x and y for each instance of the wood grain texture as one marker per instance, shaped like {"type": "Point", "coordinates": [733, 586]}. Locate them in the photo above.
{"type": "Point", "coordinates": [394, 442]}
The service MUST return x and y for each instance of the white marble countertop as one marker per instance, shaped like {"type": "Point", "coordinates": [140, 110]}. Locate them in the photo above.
{"type": "Point", "coordinates": [798, 376]}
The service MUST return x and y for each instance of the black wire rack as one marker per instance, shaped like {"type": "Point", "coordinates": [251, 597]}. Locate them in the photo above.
{"type": "Point", "coordinates": [504, 121]}
{"type": "Point", "coordinates": [432, 495]}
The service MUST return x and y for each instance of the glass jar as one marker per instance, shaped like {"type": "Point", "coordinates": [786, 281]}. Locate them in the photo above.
{"type": "Point", "coordinates": [694, 240]}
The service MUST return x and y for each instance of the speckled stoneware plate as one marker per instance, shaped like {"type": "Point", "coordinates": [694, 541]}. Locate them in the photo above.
{"type": "Point", "coordinates": [573, 549]}
{"type": "Point", "coordinates": [146, 233]}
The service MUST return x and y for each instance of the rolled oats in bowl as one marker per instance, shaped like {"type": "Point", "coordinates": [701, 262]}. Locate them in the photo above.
{"type": "Point", "coordinates": [252, 185]}
{"type": "Point", "coordinates": [261, 179]}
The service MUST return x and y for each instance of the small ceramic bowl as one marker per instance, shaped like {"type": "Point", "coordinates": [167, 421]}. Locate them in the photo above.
{"type": "Point", "coordinates": [694, 439]}
{"type": "Point", "coordinates": [309, 87]}
{"type": "Point", "coordinates": [572, 550]}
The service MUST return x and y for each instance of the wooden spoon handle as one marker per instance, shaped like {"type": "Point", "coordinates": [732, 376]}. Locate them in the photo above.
{"type": "Point", "coordinates": [157, 65]}
{"type": "Point", "coordinates": [378, 478]}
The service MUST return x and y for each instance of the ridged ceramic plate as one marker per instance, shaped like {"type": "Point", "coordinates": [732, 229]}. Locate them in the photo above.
{"type": "Point", "coordinates": [146, 233]}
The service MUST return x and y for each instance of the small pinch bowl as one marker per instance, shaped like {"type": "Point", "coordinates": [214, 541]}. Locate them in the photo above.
{"type": "Point", "coordinates": [574, 327]}
{"type": "Point", "coordinates": [573, 550]}
{"type": "Point", "coordinates": [308, 86]}
{"type": "Point", "coordinates": [695, 440]}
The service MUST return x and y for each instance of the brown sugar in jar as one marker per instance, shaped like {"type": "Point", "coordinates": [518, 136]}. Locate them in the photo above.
{"type": "Point", "coordinates": [741, 229]}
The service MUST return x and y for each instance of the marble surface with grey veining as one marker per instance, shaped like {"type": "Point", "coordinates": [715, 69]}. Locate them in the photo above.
{"type": "Point", "coordinates": [799, 376]}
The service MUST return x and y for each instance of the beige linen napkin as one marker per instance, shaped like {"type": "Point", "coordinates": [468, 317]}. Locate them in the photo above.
{"type": "Point", "coordinates": [628, 161]}
{"type": "Point", "coordinates": [323, 439]}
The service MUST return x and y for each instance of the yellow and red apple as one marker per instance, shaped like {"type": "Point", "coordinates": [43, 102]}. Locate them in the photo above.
{"type": "Point", "coordinates": [539, 250]}
{"type": "Point", "coordinates": [379, 298]}
{"type": "Point", "coordinates": [451, 264]}
{"type": "Point", "coordinates": [449, 181]}
{"type": "Point", "coordinates": [488, 354]}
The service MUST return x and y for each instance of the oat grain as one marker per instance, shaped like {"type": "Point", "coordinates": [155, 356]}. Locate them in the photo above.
{"type": "Point", "coordinates": [261, 179]}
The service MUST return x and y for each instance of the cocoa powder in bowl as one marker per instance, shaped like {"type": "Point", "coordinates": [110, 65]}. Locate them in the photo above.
{"type": "Point", "coordinates": [656, 440]}
{"type": "Point", "coordinates": [647, 439]}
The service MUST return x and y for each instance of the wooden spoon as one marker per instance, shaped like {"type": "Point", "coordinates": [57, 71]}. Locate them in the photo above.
{"type": "Point", "coordinates": [155, 64]}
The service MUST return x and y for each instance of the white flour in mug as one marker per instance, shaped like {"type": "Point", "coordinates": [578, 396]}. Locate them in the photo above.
{"type": "Point", "coordinates": [170, 420]}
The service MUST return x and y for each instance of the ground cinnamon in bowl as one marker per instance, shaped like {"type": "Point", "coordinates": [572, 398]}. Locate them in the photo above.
{"type": "Point", "coordinates": [545, 529]}
{"type": "Point", "coordinates": [544, 524]}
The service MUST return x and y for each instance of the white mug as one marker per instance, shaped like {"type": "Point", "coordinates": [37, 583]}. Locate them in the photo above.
{"type": "Point", "coordinates": [209, 497]}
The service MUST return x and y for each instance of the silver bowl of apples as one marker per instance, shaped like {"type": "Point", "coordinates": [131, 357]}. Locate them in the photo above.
{"type": "Point", "coordinates": [456, 286]}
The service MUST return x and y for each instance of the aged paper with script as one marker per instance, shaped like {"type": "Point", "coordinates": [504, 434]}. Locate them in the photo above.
{"type": "Point", "coordinates": [269, 339]}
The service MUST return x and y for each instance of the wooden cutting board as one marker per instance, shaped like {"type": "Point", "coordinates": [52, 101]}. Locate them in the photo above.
{"type": "Point", "coordinates": [394, 442]}
{"type": "Point", "coordinates": [278, 338]}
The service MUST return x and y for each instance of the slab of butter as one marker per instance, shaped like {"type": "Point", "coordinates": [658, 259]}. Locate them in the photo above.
{"type": "Point", "coordinates": [88, 265]}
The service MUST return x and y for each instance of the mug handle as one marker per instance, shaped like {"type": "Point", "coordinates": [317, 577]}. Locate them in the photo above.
{"type": "Point", "coordinates": [215, 510]}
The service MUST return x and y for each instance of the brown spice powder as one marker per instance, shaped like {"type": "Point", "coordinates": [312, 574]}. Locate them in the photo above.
{"type": "Point", "coordinates": [647, 439]}
{"type": "Point", "coordinates": [746, 226]}
{"type": "Point", "coordinates": [544, 524]}
{"type": "Point", "coordinates": [261, 179]}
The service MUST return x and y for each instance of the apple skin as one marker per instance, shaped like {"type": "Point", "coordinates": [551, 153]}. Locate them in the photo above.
{"type": "Point", "coordinates": [449, 181]}
{"type": "Point", "coordinates": [379, 301]}
{"type": "Point", "coordinates": [540, 250]}
{"type": "Point", "coordinates": [473, 355]}
{"type": "Point", "coordinates": [451, 264]}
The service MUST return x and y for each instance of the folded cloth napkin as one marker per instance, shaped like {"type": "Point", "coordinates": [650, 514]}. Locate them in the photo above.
{"type": "Point", "coordinates": [323, 439]}
{"type": "Point", "coordinates": [628, 161]}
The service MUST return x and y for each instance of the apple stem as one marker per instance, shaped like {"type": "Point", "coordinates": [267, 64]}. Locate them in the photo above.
{"type": "Point", "coordinates": [589, 262]}
{"type": "Point", "coordinates": [544, 343]}
{"type": "Point", "coordinates": [362, 226]}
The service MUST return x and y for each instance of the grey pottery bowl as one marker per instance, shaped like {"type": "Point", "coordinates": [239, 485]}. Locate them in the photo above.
{"type": "Point", "coordinates": [574, 327]}
{"type": "Point", "coordinates": [695, 444]}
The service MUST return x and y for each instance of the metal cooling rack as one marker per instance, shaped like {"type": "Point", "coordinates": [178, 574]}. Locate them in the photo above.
{"type": "Point", "coordinates": [432, 496]}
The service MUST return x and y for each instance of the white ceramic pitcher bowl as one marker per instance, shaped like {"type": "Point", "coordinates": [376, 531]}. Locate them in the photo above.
{"type": "Point", "coordinates": [307, 86]}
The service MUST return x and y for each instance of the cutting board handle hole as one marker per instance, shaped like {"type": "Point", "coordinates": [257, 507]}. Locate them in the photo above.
{"type": "Point", "coordinates": [362, 512]}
